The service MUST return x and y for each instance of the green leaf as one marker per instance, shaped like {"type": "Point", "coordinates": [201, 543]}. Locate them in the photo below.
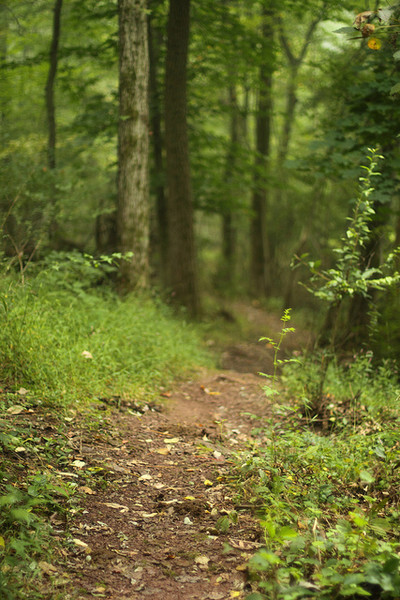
{"type": "Point", "coordinates": [395, 89]}
{"type": "Point", "coordinates": [366, 476]}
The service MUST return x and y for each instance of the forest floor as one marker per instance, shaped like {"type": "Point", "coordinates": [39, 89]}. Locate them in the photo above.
{"type": "Point", "coordinates": [156, 529]}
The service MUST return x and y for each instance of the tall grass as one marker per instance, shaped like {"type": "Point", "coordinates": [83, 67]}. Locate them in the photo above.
{"type": "Point", "coordinates": [67, 343]}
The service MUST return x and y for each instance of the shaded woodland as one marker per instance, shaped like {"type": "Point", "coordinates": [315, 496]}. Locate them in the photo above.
{"type": "Point", "coordinates": [207, 143]}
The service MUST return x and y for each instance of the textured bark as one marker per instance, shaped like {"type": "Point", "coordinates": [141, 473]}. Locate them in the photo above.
{"type": "Point", "coordinates": [133, 144]}
{"type": "Point", "coordinates": [50, 83]}
{"type": "Point", "coordinates": [229, 234]}
{"type": "Point", "coordinates": [157, 144]}
{"type": "Point", "coordinates": [182, 268]}
{"type": "Point", "coordinates": [258, 235]}
{"type": "Point", "coordinates": [51, 113]}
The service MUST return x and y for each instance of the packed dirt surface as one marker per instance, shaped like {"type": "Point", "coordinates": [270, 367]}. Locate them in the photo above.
{"type": "Point", "coordinates": [158, 529]}
{"type": "Point", "coordinates": [161, 528]}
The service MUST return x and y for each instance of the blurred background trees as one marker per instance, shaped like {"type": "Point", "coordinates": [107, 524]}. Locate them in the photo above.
{"type": "Point", "coordinates": [253, 139]}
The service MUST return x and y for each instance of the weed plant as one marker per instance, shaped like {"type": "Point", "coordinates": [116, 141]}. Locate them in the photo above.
{"type": "Point", "coordinates": [329, 489]}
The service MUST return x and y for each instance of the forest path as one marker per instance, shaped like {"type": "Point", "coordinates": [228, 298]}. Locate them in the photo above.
{"type": "Point", "coordinates": [158, 529]}
{"type": "Point", "coordinates": [153, 532]}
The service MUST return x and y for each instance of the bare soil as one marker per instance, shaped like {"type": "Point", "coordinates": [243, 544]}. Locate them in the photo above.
{"type": "Point", "coordinates": [157, 529]}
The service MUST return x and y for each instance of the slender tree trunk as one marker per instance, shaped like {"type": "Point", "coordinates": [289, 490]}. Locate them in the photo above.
{"type": "Point", "coordinates": [133, 144]}
{"type": "Point", "coordinates": [182, 264]}
{"type": "Point", "coordinates": [259, 244]}
{"type": "Point", "coordinates": [51, 112]}
{"type": "Point", "coordinates": [50, 84]}
{"type": "Point", "coordinates": [157, 144]}
{"type": "Point", "coordinates": [228, 224]}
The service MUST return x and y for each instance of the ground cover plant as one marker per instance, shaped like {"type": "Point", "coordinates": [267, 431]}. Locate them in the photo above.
{"type": "Point", "coordinates": [328, 490]}
{"type": "Point", "coordinates": [68, 351]}
{"type": "Point", "coordinates": [324, 476]}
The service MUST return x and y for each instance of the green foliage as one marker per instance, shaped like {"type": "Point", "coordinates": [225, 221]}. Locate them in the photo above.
{"type": "Point", "coordinates": [276, 345]}
{"type": "Point", "coordinates": [351, 275]}
{"type": "Point", "coordinates": [64, 341]}
{"type": "Point", "coordinates": [328, 496]}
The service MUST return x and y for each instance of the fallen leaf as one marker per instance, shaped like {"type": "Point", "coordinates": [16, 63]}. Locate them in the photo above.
{"type": "Point", "coordinates": [47, 568]}
{"type": "Point", "coordinates": [79, 543]}
{"type": "Point", "coordinates": [86, 354]}
{"type": "Point", "coordinates": [208, 483]}
{"type": "Point", "coordinates": [234, 594]}
{"type": "Point", "coordinates": [216, 596]}
{"type": "Point", "coordinates": [187, 521]}
{"type": "Point", "coordinates": [86, 490]}
{"type": "Point", "coordinates": [16, 409]}
{"type": "Point", "coordinates": [145, 477]}
{"type": "Point", "coordinates": [79, 464]}
{"type": "Point", "coordinates": [116, 506]}
{"type": "Point", "coordinates": [22, 391]}
{"type": "Point", "coordinates": [2, 542]}
{"type": "Point", "coordinates": [149, 515]}
{"type": "Point", "coordinates": [162, 451]}
{"type": "Point", "coordinates": [202, 560]}
{"type": "Point", "coordinates": [190, 498]}
{"type": "Point", "coordinates": [20, 449]}
{"type": "Point", "coordinates": [244, 545]}
{"type": "Point", "coordinates": [174, 440]}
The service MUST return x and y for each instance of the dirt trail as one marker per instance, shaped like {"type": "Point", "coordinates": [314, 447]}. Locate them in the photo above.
{"type": "Point", "coordinates": [153, 532]}
{"type": "Point", "coordinates": [158, 529]}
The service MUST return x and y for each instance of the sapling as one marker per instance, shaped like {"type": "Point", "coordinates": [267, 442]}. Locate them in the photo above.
{"type": "Point", "coordinates": [351, 275]}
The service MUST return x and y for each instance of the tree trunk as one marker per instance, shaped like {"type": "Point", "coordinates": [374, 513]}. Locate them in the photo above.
{"type": "Point", "coordinates": [259, 243]}
{"type": "Point", "coordinates": [133, 144]}
{"type": "Point", "coordinates": [157, 144]}
{"type": "Point", "coordinates": [227, 271]}
{"type": "Point", "coordinates": [51, 113]}
{"type": "Point", "coordinates": [182, 264]}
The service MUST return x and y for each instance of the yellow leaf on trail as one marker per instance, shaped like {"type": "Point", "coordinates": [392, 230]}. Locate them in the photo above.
{"type": "Point", "coordinates": [208, 483]}
{"type": "Point", "coordinates": [234, 594]}
{"type": "Point", "coordinates": [374, 43]}
{"type": "Point", "coordinates": [171, 440]}
{"type": "Point", "coordinates": [86, 490]}
{"type": "Point", "coordinates": [162, 451]}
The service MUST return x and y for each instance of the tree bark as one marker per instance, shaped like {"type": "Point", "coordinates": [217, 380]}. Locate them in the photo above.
{"type": "Point", "coordinates": [50, 84]}
{"type": "Point", "coordinates": [51, 112]}
{"type": "Point", "coordinates": [229, 236]}
{"type": "Point", "coordinates": [157, 144]}
{"type": "Point", "coordinates": [133, 144]}
{"type": "Point", "coordinates": [182, 263]}
{"type": "Point", "coordinates": [258, 235]}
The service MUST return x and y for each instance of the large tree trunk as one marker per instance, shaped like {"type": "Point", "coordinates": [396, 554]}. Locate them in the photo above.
{"type": "Point", "coordinates": [155, 40]}
{"type": "Point", "coordinates": [133, 144]}
{"type": "Point", "coordinates": [51, 112]}
{"type": "Point", "coordinates": [259, 244]}
{"type": "Point", "coordinates": [182, 264]}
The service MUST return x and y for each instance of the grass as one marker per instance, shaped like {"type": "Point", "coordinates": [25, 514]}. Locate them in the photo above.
{"type": "Point", "coordinates": [66, 344]}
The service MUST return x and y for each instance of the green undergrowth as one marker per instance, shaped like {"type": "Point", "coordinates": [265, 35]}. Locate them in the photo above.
{"type": "Point", "coordinates": [326, 485]}
{"type": "Point", "coordinates": [68, 348]}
